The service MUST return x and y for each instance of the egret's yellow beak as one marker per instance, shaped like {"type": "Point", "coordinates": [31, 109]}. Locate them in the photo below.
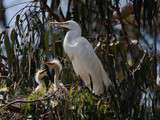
{"type": "Point", "coordinates": [59, 24]}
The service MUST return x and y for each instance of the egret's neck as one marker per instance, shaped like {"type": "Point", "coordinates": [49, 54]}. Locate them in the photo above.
{"type": "Point", "coordinates": [72, 34]}
{"type": "Point", "coordinates": [70, 39]}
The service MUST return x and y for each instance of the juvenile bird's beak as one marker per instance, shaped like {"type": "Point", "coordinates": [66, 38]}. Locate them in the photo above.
{"type": "Point", "coordinates": [49, 64]}
{"type": "Point", "coordinates": [44, 70]}
{"type": "Point", "coordinates": [50, 71]}
{"type": "Point", "coordinates": [60, 24]}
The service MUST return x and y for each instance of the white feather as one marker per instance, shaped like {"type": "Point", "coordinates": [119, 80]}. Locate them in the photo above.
{"type": "Point", "coordinates": [85, 62]}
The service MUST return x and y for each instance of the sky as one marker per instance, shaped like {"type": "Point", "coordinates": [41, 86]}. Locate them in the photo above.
{"type": "Point", "coordinates": [12, 7]}
{"type": "Point", "coordinates": [11, 11]}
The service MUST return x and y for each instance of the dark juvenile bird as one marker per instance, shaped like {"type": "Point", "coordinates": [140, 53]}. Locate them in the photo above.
{"type": "Point", "coordinates": [40, 90]}
{"type": "Point", "coordinates": [57, 88]}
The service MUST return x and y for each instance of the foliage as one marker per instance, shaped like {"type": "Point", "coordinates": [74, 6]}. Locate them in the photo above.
{"type": "Point", "coordinates": [85, 106]}
{"type": "Point", "coordinates": [134, 93]}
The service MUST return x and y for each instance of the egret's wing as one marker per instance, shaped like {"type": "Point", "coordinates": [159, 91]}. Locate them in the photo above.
{"type": "Point", "coordinates": [86, 53]}
{"type": "Point", "coordinates": [83, 56]}
{"type": "Point", "coordinates": [86, 63]}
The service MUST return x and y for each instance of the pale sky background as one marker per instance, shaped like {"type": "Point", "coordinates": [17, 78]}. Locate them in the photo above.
{"type": "Point", "coordinates": [10, 11]}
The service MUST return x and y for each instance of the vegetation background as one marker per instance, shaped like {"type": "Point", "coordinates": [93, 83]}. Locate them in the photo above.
{"type": "Point", "coordinates": [126, 39]}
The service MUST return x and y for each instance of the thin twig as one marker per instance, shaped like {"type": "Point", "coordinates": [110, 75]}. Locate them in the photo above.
{"type": "Point", "coordinates": [24, 101]}
{"type": "Point", "coordinates": [139, 65]}
{"type": "Point", "coordinates": [3, 77]}
{"type": "Point", "coordinates": [48, 9]}
{"type": "Point", "coordinates": [122, 23]}
{"type": "Point", "coordinates": [20, 11]}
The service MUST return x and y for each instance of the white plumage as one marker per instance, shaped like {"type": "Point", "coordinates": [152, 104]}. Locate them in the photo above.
{"type": "Point", "coordinates": [85, 62]}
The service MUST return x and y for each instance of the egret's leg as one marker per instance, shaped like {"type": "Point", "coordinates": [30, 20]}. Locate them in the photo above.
{"type": "Point", "coordinates": [80, 83]}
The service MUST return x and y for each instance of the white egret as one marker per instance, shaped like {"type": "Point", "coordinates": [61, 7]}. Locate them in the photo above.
{"type": "Point", "coordinates": [85, 62]}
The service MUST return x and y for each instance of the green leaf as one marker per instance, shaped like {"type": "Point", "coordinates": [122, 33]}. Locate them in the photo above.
{"type": "Point", "coordinates": [8, 48]}
{"type": "Point", "coordinates": [0, 42]}
{"type": "Point", "coordinates": [13, 38]}
{"type": "Point", "coordinates": [46, 40]}
{"type": "Point", "coordinates": [17, 20]}
{"type": "Point", "coordinates": [18, 25]}
{"type": "Point", "coordinates": [13, 35]}
{"type": "Point", "coordinates": [0, 36]}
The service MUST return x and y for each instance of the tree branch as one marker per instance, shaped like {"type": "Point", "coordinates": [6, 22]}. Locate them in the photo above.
{"type": "Point", "coordinates": [25, 101]}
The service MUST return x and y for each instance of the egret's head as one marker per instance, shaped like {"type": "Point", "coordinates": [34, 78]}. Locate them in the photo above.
{"type": "Point", "coordinates": [40, 74]}
{"type": "Point", "coordinates": [70, 25]}
{"type": "Point", "coordinates": [54, 64]}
